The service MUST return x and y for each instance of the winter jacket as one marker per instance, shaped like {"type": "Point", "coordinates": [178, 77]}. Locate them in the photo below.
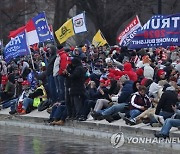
{"type": "Point", "coordinates": [98, 95]}
{"type": "Point", "coordinates": [138, 101]}
{"type": "Point", "coordinates": [148, 71]}
{"type": "Point", "coordinates": [56, 65]}
{"type": "Point", "coordinates": [51, 61]}
{"type": "Point", "coordinates": [77, 78]}
{"type": "Point", "coordinates": [64, 61]}
{"type": "Point", "coordinates": [10, 89]}
{"type": "Point", "coordinates": [126, 92]}
{"type": "Point", "coordinates": [3, 68]}
{"type": "Point", "coordinates": [168, 98]}
{"type": "Point", "coordinates": [129, 71]}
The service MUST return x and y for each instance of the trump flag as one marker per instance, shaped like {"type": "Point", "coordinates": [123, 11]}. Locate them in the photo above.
{"type": "Point", "coordinates": [16, 47]}
{"type": "Point", "coordinates": [129, 32]}
{"type": "Point", "coordinates": [158, 31]}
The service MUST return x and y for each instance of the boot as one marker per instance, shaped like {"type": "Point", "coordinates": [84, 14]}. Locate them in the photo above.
{"type": "Point", "coordinates": [159, 135]}
{"type": "Point", "coordinates": [97, 116]}
{"type": "Point", "coordinates": [59, 123]}
{"type": "Point", "coordinates": [111, 118]}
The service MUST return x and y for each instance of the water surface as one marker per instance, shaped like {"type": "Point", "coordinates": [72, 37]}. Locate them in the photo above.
{"type": "Point", "coordinates": [16, 140]}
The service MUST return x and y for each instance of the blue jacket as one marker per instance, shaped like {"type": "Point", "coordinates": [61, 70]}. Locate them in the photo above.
{"type": "Point", "coordinates": [126, 92]}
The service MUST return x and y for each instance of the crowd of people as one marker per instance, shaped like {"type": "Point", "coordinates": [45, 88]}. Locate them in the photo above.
{"type": "Point", "coordinates": [88, 82]}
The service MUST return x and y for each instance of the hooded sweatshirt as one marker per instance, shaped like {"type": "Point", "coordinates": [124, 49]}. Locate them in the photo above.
{"type": "Point", "coordinates": [129, 71]}
{"type": "Point", "coordinates": [51, 60]}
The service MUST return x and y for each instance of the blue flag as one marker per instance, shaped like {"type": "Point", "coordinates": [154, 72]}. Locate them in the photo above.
{"type": "Point", "coordinates": [42, 28]}
{"type": "Point", "coordinates": [16, 47]}
{"type": "Point", "coordinates": [158, 31]}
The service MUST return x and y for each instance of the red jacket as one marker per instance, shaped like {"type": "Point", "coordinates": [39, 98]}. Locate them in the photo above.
{"type": "Point", "coordinates": [129, 71]}
{"type": "Point", "coordinates": [64, 61]}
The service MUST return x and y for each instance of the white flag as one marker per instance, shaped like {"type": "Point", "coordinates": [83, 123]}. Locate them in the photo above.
{"type": "Point", "coordinates": [79, 23]}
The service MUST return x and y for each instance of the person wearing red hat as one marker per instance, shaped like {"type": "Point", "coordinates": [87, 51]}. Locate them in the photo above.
{"type": "Point", "coordinates": [160, 75]}
{"type": "Point", "coordinates": [25, 83]}
{"type": "Point", "coordinates": [105, 99]}
{"type": "Point", "coordinates": [9, 90]}
{"type": "Point", "coordinates": [33, 100]}
{"type": "Point", "coordinates": [16, 104]}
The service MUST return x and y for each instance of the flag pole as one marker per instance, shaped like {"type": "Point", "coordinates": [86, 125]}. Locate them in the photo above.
{"type": "Point", "coordinates": [32, 61]}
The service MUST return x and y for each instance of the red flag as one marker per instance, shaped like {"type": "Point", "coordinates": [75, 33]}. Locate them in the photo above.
{"type": "Point", "coordinates": [14, 33]}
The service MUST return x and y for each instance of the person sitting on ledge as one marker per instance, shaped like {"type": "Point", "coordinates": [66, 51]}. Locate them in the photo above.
{"type": "Point", "coordinates": [169, 123]}
{"type": "Point", "coordinates": [34, 99]}
{"type": "Point", "coordinates": [139, 103]}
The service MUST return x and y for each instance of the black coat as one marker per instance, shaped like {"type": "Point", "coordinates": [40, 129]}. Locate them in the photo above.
{"type": "Point", "coordinates": [51, 61]}
{"type": "Point", "coordinates": [77, 79]}
{"type": "Point", "coordinates": [98, 95]}
{"type": "Point", "coordinates": [167, 99]}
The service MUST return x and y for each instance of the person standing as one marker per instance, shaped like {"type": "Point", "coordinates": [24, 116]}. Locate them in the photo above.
{"type": "Point", "coordinates": [77, 88]}
{"type": "Point", "coordinates": [51, 84]}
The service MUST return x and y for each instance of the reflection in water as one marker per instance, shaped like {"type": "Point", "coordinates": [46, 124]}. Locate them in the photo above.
{"type": "Point", "coordinates": [15, 140]}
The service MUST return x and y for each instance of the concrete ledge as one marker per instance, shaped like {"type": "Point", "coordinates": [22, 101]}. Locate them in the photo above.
{"type": "Point", "coordinates": [103, 126]}
{"type": "Point", "coordinates": [94, 129]}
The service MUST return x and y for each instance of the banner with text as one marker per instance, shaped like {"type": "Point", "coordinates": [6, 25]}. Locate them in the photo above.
{"type": "Point", "coordinates": [129, 32]}
{"type": "Point", "coordinates": [16, 47]}
{"type": "Point", "coordinates": [158, 31]}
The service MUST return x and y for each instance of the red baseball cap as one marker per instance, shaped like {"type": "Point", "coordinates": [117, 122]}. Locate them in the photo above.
{"type": "Point", "coordinates": [25, 82]}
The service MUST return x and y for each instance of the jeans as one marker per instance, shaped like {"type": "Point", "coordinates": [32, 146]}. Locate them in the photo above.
{"type": "Point", "coordinates": [9, 103]}
{"type": "Point", "coordinates": [52, 89]}
{"type": "Point", "coordinates": [168, 124]}
{"type": "Point", "coordinates": [134, 113]}
{"type": "Point", "coordinates": [57, 86]}
{"type": "Point", "coordinates": [115, 108]}
{"type": "Point", "coordinates": [61, 87]}
{"type": "Point", "coordinates": [166, 114]}
{"type": "Point", "coordinates": [59, 112]}
{"type": "Point", "coordinates": [27, 102]}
